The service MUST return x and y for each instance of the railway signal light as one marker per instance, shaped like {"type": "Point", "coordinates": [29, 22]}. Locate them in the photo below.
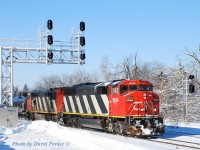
{"type": "Point", "coordinates": [82, 40]}
{"type": "Point", "coordinates": [50, 39]}
{"type": "Point", "coordinates": [50, 24]}
{"type": "Point", "coordinates": [82, 26]}
{"type": "Point", "coordinates": [191, 76]}
{"type": "Point", "coordinates": [50, 54]}
{"type": "Point", "coordinates": [191, 88]}
{"type": "Point", "coordinates": [82, 56]}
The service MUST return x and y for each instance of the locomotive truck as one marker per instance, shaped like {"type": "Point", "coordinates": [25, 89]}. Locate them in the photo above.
{"type": "Point", "coordinates": [120, 106]}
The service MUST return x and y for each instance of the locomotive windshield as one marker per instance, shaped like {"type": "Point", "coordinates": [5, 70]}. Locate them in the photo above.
{"type": "Point", "coordinates": [145, 87]}
{"type": "Point", "coordinates": [125, 88]}
{"type": "Point", "coordinates": [133, 87]}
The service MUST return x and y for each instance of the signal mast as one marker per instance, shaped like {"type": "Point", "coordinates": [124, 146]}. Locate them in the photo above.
{"type": "Point", "coordinates": [44, 50]}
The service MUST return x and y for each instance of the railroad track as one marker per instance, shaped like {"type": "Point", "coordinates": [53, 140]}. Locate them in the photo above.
{"type": "Point", "coordinates": [188, 140]}
{"type": "Point", "coordinates": [177, 143]}
{"type": "Point", "coordinates": [160, 139]}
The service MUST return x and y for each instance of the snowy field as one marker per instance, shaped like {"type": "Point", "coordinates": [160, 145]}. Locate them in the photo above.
{"type": "Point", "coordinates": [44, 135]}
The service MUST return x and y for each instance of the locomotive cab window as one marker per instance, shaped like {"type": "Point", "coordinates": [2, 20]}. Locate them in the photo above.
{"type": "Point", "coordinates": [149, 87]}
{"type": "Point", "coordinates": [142, 88]}
{"type": "Point", "coordinates": [115, 90]}
{"type": "Point", "coordinates": [123, 89]}
{"type": "Point", "coordinates": [133, 87]}
{"type": "Point", "coordinates": [146, 88]}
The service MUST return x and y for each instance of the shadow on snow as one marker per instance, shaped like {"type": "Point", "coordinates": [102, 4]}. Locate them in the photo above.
{"type": "Point", "coordinates": [3, 145]}
{"type": "Point", "coordinates": [173, 132]}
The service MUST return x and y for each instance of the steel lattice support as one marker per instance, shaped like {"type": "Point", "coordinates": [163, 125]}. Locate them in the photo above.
{"type": "Point", "coordinates": [36, 51]}
{"type": "Point", "coordinates": [6, 91]}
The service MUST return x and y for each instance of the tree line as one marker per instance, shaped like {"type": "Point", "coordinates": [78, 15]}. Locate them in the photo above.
{"type": "Point", "coordinates": [170, 83]}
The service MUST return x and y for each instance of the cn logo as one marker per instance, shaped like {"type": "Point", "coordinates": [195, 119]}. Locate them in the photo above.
{"type": "Point", "coordinates": [115, 100]}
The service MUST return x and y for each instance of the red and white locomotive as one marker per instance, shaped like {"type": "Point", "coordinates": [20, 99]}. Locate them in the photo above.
{"type": "Point", "coordinates": [121, 106]}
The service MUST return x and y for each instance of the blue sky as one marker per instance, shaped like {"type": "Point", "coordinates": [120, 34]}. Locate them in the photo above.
{"type": "Point", "coordinates": [158, 30]}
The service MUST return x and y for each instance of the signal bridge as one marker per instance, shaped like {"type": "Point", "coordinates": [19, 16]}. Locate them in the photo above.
{"type": "Point", "coordinates": [43, 50]}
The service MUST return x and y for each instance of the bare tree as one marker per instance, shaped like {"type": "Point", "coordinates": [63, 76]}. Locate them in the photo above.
{"type": "Point", "coordinates": [126, 67]}
{"type": "Point", "coordinates": [193, 55]}
{"type": "Point", "coordinates": [46, 82]}
{"type": "Point", "coordinates": [106, 68]}
{"type": "Point", "coordinates": [135, 67]}
{"type": "Point", "coordinates": [64, 80]}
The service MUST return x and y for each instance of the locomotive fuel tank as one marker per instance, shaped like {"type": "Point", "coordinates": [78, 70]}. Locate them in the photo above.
{"type": "Point", "coordinates": [90, 122]}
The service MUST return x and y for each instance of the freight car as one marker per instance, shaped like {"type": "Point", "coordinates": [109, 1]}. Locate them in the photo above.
{"type": "Point", "coordinates": [121, 106]}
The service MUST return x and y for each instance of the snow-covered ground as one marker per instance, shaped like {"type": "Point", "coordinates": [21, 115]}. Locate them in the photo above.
{"type": "Point", "coordinates": [39, 135]}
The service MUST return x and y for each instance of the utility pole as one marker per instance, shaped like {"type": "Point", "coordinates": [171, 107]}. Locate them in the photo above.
{"type": "Point", "coordinates": [189, 89]}
{"type": "Point", "coordinates": [44, 50]}
{"type": "Point", "coordinates": [186, 98]}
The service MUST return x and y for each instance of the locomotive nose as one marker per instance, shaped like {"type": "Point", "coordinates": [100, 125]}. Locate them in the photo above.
{"type": "Point", "coordinates": [151, 103]}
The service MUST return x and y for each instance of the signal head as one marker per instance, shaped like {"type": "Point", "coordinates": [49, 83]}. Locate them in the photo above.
{"type": "Point", "coordinates": [191, 76]}
{"type": "Point", "coordinates": [50, 39]}
{"type": "Point", "coordinates": [50, 54]}
{"type": "Point", "coordinates": [50, 24]}
{"type": "Point", "coordinates": [82, 56]}
{"type": "Point", "coordinates": [82, 40]}
{"type": "Point", "coordinates": [82, 26]}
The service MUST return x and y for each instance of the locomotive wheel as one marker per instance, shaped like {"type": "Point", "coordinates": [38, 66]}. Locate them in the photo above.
{"type": "Point", "coordinates": [32, 117]}
{"type": "Point", "coordinates": [48, 117]}
{"type": "Point", "coordinates": [27, 116]}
